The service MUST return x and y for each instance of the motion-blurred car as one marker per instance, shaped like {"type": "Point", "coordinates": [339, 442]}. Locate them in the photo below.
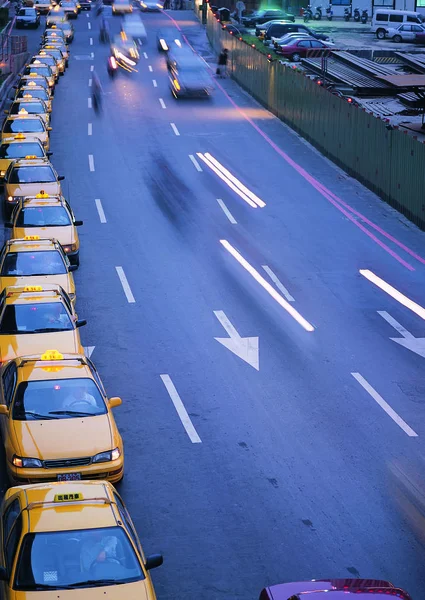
{"type": "Point", "coordinates": [150, 6]}
{"type": "Point", "coordinates": [188, 75]}
{"type": "Point", "coordinates": [125, 46]}
{"type": "Point", "coordinates": [262, 16]}
{"type": "Point", "coordinates": [122, 7]}
{"type": "Point", "coordinates": [334, 589]}
{"type": "Point", "coordinates": [27, 17]}
{"type": "Point", "coordinates": [133, 27]}
{"type": "Point", "coordinates": [70, 8]}
{"type": "Point", "coordinates": [55, 14]}
{"type": "Point", "coordinates": [85, 4]}
{"type": "Point", "coordinates": [410, 32]}
{"type": "Point", "coordinates": [298, 49]}
{"type": "Point", "coordinates": [42, 6]}
{"type": "Point", "coordinates": [167, 39]}
{"type": "Point", "coordinates": [67, 28]}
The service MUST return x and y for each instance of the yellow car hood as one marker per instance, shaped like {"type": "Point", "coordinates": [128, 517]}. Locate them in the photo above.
{"type": "Point", "coordinates": [63, 438]}
{"type": "Point", "coordinates": [66, 281]}
{"type": "Point", "coordinates": [31, 189]}
{"type": "Point", "coordinates": [64, 235]}
{"type": "Point", "coordinates": [138, 590]}
{"type": "Point", "coordinates": [66, 342]}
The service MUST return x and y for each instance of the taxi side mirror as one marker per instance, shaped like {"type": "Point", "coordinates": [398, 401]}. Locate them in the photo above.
{"type": "Point", "coordinates": [78, 223]}
{"type": "Point", "coordinates": [153, 561]}
{"type": "Point", "coordinates": [115, 401]}
{"type": "Point", "coordinates": [72, 268]}
{"type": "Point", "coordinates": [49, 128]}
{"type": "Point", "coordinates": [61, 177]}
{"type": "Point", "coordinates": [3, 411]}
{"type": "Point", "coordinates": [49, 154]}
{"type": "Point", "coordinates": [3, 574]}
{"type": "Point", "coordinates": [80, 322]}
{"type": "Point", "coordinates": [6, 112]}
{"type": "Point", "coordinates": [8, 225]}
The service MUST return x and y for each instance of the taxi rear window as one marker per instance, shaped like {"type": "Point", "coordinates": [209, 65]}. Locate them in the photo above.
{"type": "Point", "coordinates": [32, 108]}
{"type": "Point", "coordinates": [48, 60]}
{"type": "Point", "coordinates": [17, 150]}
{"type": "Point", "coordinates": [40, 317]}
{"type": "Point", "coordinates": [43, 216]}
{"type": "Point", "coordinates": [42, 94]}
{"type": "Point", "coordinates": [33, 174]}
{"type": "Point", "coordinates": [21, 264]}
{"type": "Point", "coordinates": [45, 71]}
{"type": "Point", "coordinates": [23, 126]}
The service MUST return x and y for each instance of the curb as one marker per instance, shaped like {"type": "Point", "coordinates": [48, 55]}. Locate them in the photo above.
{"type": "Point", "coordinates": [5, 88]}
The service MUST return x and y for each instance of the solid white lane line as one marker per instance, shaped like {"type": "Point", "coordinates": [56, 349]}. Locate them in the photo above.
{"type": "Point", "coordinates": [89, 129]}
{"type": "Point", "coordinates": [91, 162]}
{"type": "Point", "coordinates": [91, 68]}
{"type": "Point", "coordinates": [126, 287]}
{"type": "Point", "coordinates": [174, 128]}
{"type": "Point", "coordinates": [90, 82]}
{"type": "Point", "coordinates": [154, 83]}
{"type": "Point", "coordinates": [89, 25]}
{"type": "Point", "coordinates": [195, 162]}
{"type": "Point", "coordinates": [278, 283]}
{"type": "Point", "coordinates": [145, 55]}
{"type": "Point", "coordinates": [100, 210]}
{"type": "Point", "coordinates": [384, 405]}
{"type": "Point", "coordinates": [91, 41]}
{"type": "Point", "coordinates": [89, 102]}
{"type": "Point", "coordinates": [150, 68]}
{"type": "Point", "coordinates": [401, 330]}
{"type": "Point", "coordinates": [394, 293]}
{"type": "Point", "coordinates": [162, 103]}
{"type": "Point", "coordinates": [181, 411]}
{"type": "Point", "coordinates": [227, 212]}
{"type": "Point", "coordinates": [266, 285]}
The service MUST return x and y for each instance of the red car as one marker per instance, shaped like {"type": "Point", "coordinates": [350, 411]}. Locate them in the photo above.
{"type": "Point", "coordinates": [334, 589]}
{"type": "Point", "coordinates": [299, 48]}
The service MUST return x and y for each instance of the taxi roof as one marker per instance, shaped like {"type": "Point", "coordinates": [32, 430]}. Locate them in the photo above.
{"type": "Point", "coordinates": [33, 201]}
{"type": "Point", "coordinates": [19, 294]}
{"type": "Point", "coordinates": [14, 117]}
{"type": "Point", "coordinates": [38, 367]}
{"type": "Point", "coordinates": [31, 88]}
{"type": "Point", "coordinates": [23, 245]}
{"type": "Point", "coordinates": [32, 99]}
{"type": "Point", "coordinates": [19, 140]}
{"type": "Point", "coordinates": [31, 162]}
{"type": "Point", "coordinates": [48, 513]}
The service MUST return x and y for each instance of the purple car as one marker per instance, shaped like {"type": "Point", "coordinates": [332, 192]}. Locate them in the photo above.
{"type": "Point", "coordinates": [334, 589]}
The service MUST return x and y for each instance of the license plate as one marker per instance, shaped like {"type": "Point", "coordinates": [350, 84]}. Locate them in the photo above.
{"type": "Point", "coordinates": [69, 477]}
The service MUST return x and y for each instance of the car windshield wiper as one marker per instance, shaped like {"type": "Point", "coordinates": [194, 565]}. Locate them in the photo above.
{"type": "Point", "coordinates": [42, 586]}
{"type": "Point", "coordinates": [48, 329]}
{"type": "Point", "coordinates": [37, 415]}
{"type": "Point", "coordinates": [95, 583]}
{"type": "Point", "coordinates": [71, 412]}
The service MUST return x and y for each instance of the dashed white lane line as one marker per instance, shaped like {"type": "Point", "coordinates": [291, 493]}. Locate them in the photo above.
{"type": "Point", "coordinates": [195, 163]}
{"type": "Point", "coordinates": [227, 212]}
{"type": "Point", "coordinates": [91, 41]}
{"type": "Point", "coordinates": [92, 54]}
{"type": "Point", "coordinates": [145, 55]}
{"type": "Point", "coordinates": [162, 103]}
{"type": "Point", "coordinates": [150, 68]}
{"type": "Point", "coordinates": [154, 83]}
{"type": "Point", "coordinates": [92, 68]}
{"type": "Point", "coordinates": [181, 411]}
{"type": "Point", "coordinates": [89, 25]}
{"type": "Point", "coordinates": [384, 405]}
{"type": "Point", "coordinates": [91, 162]}
{"type": "Point", "coordinates": [100, 210]}
{"type": "Point", "coordinates": [87, 15]}
{"type": "Point", "coordinates": [127, 290]}
{"type": "Point", "coordinates": [89, 129]}
{"type": "Point", "coordinates": [89, 102]}
{"type": "Point", "coordinates": [278, 283]}
{"type": "Point", "coordinates": [174, 128]}
{"type": "Point", "coordinates": [90, 82]}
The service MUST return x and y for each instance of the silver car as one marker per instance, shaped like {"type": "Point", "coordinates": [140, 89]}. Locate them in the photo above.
{"type": "Point", "coordinates": [409, 32]}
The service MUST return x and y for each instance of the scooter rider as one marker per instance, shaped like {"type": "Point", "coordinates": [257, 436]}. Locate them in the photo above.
{"type": "Point", "coordinates": [97, 90]}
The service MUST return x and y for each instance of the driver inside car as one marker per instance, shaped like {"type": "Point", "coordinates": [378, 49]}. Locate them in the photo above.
{"type": "Point", "coordinates": [98, 548]}
{"type": "Point", "coordinates": [79, 395]}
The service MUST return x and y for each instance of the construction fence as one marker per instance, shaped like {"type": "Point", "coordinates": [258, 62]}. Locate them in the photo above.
{"type": "Point", "coordinates": [388, 161]}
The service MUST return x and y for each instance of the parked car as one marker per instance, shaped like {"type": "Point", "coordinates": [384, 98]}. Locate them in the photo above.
{"type": "Point", "coordinates": [42, 6]}
{"type": "Point", "coordinates": [383, 18]}
{"type": "Point", "coordinates": [261, 27]}
{"type": "Point", "coordinates": [262, 16]}
{"type": "Point", "coordinates": [281, 29]}
{"type": "Point", "coordinates": [27, 17]}
{"type": "Point", "coordinates": [406, 33]}
{"type": "Point", "coordinates": [297, 49]}
{"type": "Point", "coordinates": [289, 37]}
{"type": "Point", "coordinates": [319, 589]}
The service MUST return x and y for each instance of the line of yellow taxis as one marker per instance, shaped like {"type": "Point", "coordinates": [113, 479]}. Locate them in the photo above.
{"type": "Point", "coordinates": [65, 530]}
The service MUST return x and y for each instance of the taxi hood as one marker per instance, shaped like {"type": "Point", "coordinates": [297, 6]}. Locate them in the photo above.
{"type": "Point", "coordinates": [62, 280]}
{"type": "Point", "coordinates": [138, 590]}
{"type": "Point", "coordinates": [30, 189]}
{"type": "Point", "coordinates": [65, 342]}
{"type": "Point", "coordinates": [64, 235]}
{"type": "Point", "coordinates": [64, 438]}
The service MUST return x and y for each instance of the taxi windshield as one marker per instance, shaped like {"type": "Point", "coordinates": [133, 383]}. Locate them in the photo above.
{"type": "Point", "coordinates": [33, 174]}
{"type": "Point", "coordinates": [55, 53]}
{"type": "Point", "coordinates": [45, 71]}
{"type": "Point", "coordinates": [23, 126]}
{"type": "Point", "coordinates": [41, 317]}
{"type": "Point", "coordinates": [79, 558]}
{"type": "Point", "coordinates": [57, 399]}
{"type": "Point", "coordinates": [43, 216]}
{"type": "Point", "coordinates": [48, 60]}
{"type": "Point", "coordinates": [18, 150]}
{"type": "Point", "coordinates": [22, 264]}
{"type": "Point", "coordinates": [33, 108]}
{"type": "Point", "coordinates": [42, 94]}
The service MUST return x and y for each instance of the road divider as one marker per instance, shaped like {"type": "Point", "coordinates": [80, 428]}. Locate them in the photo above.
{"type": "Point", "coordinates": [407, 340]}
{"type": "Point", "coordinates": [246, 348]}
{"type": "Point", "coordinates": [226, 211]}
{"type": "Point", "coordinates": [125, 285]}
{"type": "Point", "coordinates": [100, 210]}
{"type": "Point", "coordinates": [266, 285]}
{"type": "Point", "coordinates": [181, 411]}
{"type": "Point", "coordinates": [278, 283]}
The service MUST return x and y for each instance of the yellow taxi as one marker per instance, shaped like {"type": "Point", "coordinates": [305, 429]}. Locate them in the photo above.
{"type": "Point", "coordinates": [57, 54]}
{"type": "Point", "coordinates": [35, 92]}
{"type": "Point", "coordinates": [122, 7]}
{"type": "Point", "coordinates": [72, 540]}
{"type": "Point", "coordinates": [35, 261]}
{"type": "Point", "coordinates": [30, 106]}
{"type": "Point", "coordinates": [56, 421]}
{"type": "Point", "coordinates": [67, 29]}
{"type": "Point", "coordinates": [31, 126]}
{"type": "Point", "coordinates": [49, 43]}
{"type": "Point", "coordinates": [27, 177]}
{"type": "Point", "coordinates": [16, 147]}
{"type": "Point", "coordinates": [47, 59]}
{"type": "Point", "coordinates": [41, 69]}
{"type": "Point", "coordinates": [47, 216]}
{"type": "Point", "coordinates": [33, 318]}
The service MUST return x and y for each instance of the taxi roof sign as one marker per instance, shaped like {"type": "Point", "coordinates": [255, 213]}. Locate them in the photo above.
{"type": "Point", "coordinates": [23, 112]}
{"type": "Point", "coordinates": [19, 136]}
{"type": "Point", "coordinates": [52, 355]}
{"type": "Point", "coordinates": [33, 288]}
{"type": "Point", "coordinates": [42, 194]}
{"type": "Point", "coordinates": [27, 96]}
{"type": "Point", "coordinates": [32, 237]}
{"type": "Point", "coordinates": [36, 62]}
{"type": "Point", "coordinates": [29, 156]}
{"type": "Point", "coordinates": [32, 83]}
{"type": "Point", "coordinates": [68, 497]}
{"type": "Point", "coordinates": [34, 75]}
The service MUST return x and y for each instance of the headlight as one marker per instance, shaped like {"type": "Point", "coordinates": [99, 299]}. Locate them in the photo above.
{"type": "Point", "coordinates": [27, 463]}
{"type": "Point", "coordinates": [2, 173]}
{"type": "Point", "coordinates": [69, 248]}
{"type": "Point", "coordinates": [14, 198]}
{"type": "Point", "coordinates": [107, 456]}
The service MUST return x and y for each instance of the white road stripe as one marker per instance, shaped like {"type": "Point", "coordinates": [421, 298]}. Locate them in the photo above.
{"type": "Point", "coordinates": [154, 83]}
{"type": "Point", "coordinates": [91, 162]}
{"type": "Point", "coordinates": [89, 102]}
{"type": "Point", "coordinates": [89, 129]}
{"type": "Point", "coordinates": [145, 55]}
{"type": "Point", "coordinates": [401, 330]}
{"type": "Point", "coordinates": [92, 54]}
{"type": "Point", "coordinates": [162, 103]}
{"type": "Point", "coordinates": [127, 291]}
{"type": "Point", "coordinates": [150, 68]}
{"type": "Point", "coordinates": [278, 284]}
{"type": "Point", "coordinates": [227, 212]}
{"type": "Point", "coordinates": [181, 411]}
{"type": "Point", "coordinates": [91, 68]}
{"type": "Point", "coordinates": [90, 82]}
{"type": "Point", "coordinates": [384, 405]}
{"type": "Point", "coordinates": [195, 163]}
{"type": "Point", "coordinates": [89, 25]}
{"type": "Point", "coordinates": [174, 128]}
{"type": "Point", "coordinates": [91, 41]}
{"type": "Point", "coordinates": [87, 15]}
{"type": "Point", "coordinates": [100, 210]}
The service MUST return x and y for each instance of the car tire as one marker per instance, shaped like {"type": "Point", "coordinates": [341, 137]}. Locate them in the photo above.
{"type": "Point", "coordinates": [380, 34]}
{"type": "Point", "coordinates": [397, 39]}
{"type": "Point", "coordinates": [295, 57]}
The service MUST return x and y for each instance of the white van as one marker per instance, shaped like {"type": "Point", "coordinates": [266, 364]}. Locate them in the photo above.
{"type": "Point", "coordinates": [384, 18]}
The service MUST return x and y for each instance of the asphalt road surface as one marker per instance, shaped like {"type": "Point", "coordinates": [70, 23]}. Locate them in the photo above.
{"type": "Point", "coordinates": [243, 467]}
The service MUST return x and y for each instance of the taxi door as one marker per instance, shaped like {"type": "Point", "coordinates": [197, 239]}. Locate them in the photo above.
{"type": "Point", "coordinates": [8, 386]}
{"type": "Point", "coordinates": [11, 533]}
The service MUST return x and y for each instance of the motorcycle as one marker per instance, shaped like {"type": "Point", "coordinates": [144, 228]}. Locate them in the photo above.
{"type": "Point", "coordinates": [122, 57]}
{"type": "Point", "coordinates": [104, 35]}
{"type": "Point", "coordinates": [347, 13]}
{"type": "Point", "coordinates": [308, 14]}
{"type": "Point", "coordinates": [318, 14]}
{"type": "Point", "coordinates": [329, 13]}
{"type": "Point", "coordinates": [364, 16]}
{"type": "Point", "coordinates": [356, 15]}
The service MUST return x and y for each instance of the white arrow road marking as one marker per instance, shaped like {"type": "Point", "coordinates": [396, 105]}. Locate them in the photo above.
{"type": "Point", "coordinates": [408, 340]}
{"type": "Point", "coordinates": [384, 405]}
{"type": "Point", "coordinates": [246, 348]}
{"type": "Point", "coordinates": [181, 411]}
{"type": "Point", "coordinates": [88, 350]}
